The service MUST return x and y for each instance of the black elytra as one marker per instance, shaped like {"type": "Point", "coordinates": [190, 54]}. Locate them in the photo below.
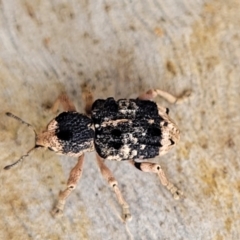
{"type": "Point", "coordinates": [126, 129]}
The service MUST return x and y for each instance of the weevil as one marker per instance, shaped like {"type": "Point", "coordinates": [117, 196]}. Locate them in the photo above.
{"type": "Point", "coordinates": [126, 129]}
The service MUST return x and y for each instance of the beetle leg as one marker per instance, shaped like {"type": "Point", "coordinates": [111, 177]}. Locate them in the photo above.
{"type": "Point", "coordinates": [156, 168]}
{"type": "Point", "coordinates": [152, 93]}
{"type": "Point", "coordinates": [108, 176]}
{"type": "Point", "coordinates": [73, 179]}
{"type": "Point", "coordinates": [88, 99]}
{"type": "Point", "coordinates": [65, 102]}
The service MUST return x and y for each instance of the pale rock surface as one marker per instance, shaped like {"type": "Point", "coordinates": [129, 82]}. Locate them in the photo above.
{"type": "Point", "coordinates": [121, 48]}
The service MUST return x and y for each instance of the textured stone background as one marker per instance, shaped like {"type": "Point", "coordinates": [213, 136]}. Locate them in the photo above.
{"type": "Point", "coordinates": [120, 48]}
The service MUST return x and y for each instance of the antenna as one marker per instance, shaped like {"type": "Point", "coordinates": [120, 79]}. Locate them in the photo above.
{"type": "Point", "coordinates": [27, 154]}
{"type": "Point", "coordinates": [21, 121]}
{"type": "Point", "coordinates": [20, 159]}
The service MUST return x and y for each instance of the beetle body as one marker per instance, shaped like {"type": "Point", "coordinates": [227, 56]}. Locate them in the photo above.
{"type": "Point", "coordinates": [118, 130]}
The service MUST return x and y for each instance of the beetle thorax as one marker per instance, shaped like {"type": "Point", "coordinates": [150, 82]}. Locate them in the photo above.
{"type": "Point", "coordinates": [70, 133]}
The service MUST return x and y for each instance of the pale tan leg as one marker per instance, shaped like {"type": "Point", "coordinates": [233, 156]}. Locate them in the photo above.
{"type": "Point", "coordinates": [152, 93]}
{"type": "Point", "coordinates": [65, 102]}
{"type": "Point", "coordinates": [156, 168]}
{"type": "Point", "coordinates": [73, 179]}
{"type": "Point", "coordinates": [106, 173]}
{"type": "Point", "coordinates": [87, 98]}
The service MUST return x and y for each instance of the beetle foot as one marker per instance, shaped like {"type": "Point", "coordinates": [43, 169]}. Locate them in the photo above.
{"type": "Point", "coordinates": [58, 210]}
{"type": "Point", "coordinates": [126, 215]}
{"type": "Point", "coordinates": [177, 194]}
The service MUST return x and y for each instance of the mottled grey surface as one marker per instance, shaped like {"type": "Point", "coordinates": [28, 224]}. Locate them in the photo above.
{"type": "Point", "coordinates": [119, 49]}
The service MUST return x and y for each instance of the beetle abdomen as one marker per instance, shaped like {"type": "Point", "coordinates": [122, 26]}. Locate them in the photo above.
{"type": "Point", "coordinates": [127, 129]}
